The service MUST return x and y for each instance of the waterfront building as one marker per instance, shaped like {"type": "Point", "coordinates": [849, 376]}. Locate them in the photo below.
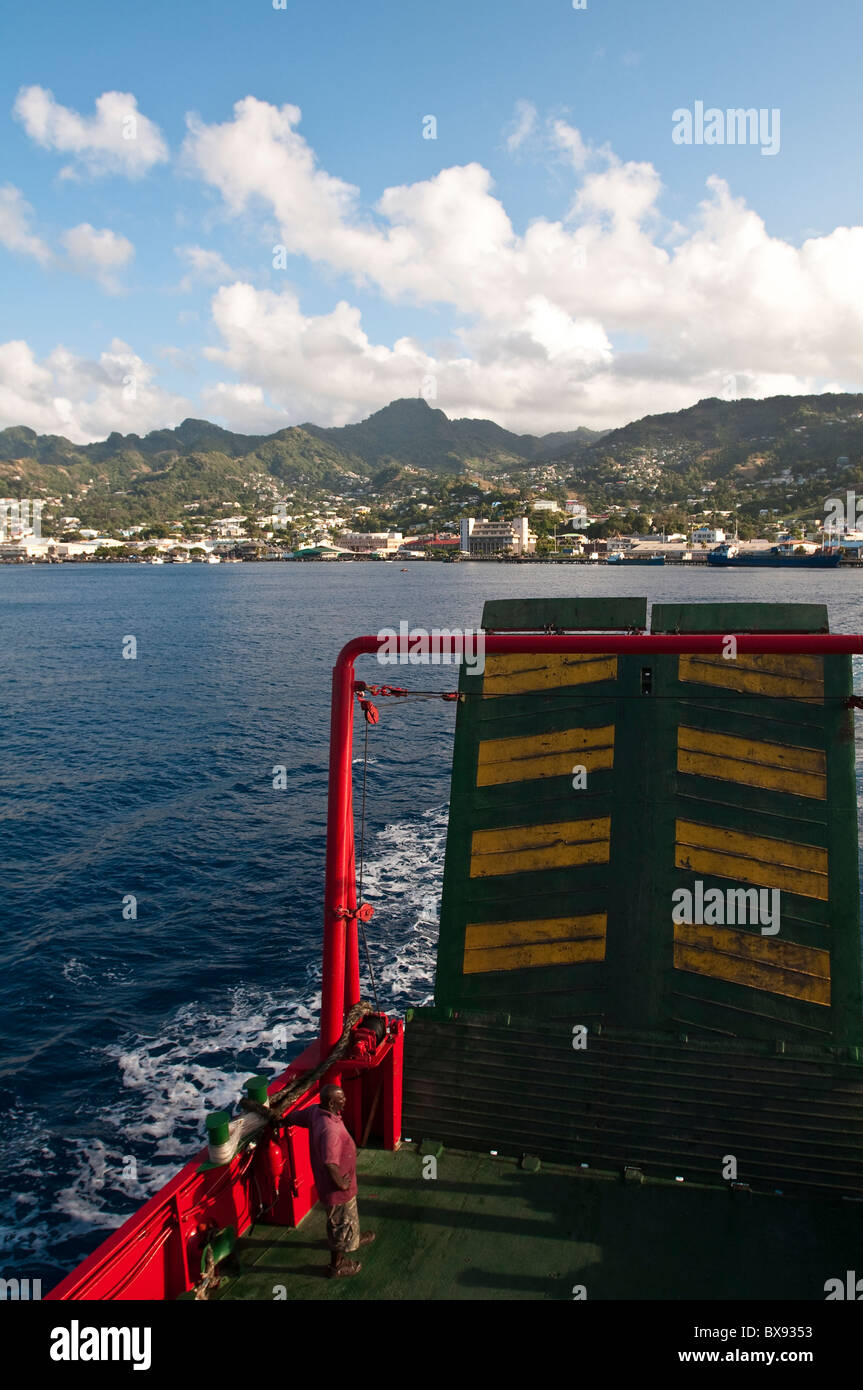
{"type": "Point", "coordinates": [484, 538]}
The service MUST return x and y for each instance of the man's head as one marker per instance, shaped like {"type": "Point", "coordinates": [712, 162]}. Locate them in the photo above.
{"type": "Point", "coordinates": [333, 1099]}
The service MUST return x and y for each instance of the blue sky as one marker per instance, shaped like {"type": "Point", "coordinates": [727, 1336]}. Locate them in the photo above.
{"type": "Point", "coordinates": [551, 258]}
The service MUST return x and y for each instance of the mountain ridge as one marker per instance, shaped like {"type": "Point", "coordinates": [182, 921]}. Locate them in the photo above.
{"type": "Point", "coordinates": [409, 446]}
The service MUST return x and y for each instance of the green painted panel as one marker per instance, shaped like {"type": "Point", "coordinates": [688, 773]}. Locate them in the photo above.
{"type": "Point", "coordinates": [738, 732]}
{"type": "Point", "coordinates": [566, 614]}
{"type": "Point", "coordinates": [739, 617]}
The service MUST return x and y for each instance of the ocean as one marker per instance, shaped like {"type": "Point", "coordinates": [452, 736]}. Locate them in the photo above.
{"type": "Point", "coordinates": [162, 898]}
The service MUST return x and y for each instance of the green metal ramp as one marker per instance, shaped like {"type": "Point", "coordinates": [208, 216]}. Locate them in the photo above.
{"type": "Point", "coordinates": [577, 1010]}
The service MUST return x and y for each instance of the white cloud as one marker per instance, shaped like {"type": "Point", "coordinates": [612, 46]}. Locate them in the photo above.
{"type": "Point", "coordinates": [98, 253]}
{"type": "Point", "coordinates": [538, 315]}
{"type": "Point", "coordinates": [15, 231]}
{"type": "Point", "coordinates": [549, 374]}
{"type": "Point", "coordinates": [83, 399]}
{"type": "Point", "coordinates": [89, 251]}
{"type": "Point", "coordinates": [565, 137]}
{"type": "Point", "coordinates": [244, 408]}
{"type": "Point", "coordinates": [205, 266]}
{"type": "Point", "coordinates": [522, 126]}
{"type": "Point", "coordinates": [597, 317]}
{"type": "Point", "coordinates": [311, 368]}
{"type": "Point", "coordinates": [117, 139]}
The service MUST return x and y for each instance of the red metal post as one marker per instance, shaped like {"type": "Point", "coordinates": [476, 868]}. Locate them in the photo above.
{"type": "Point", "coordinates": [339, 892]}
{"type": "Point", "coordinates": [391, 1127]}
{"type": "Point", "coordinates": [352, 945]}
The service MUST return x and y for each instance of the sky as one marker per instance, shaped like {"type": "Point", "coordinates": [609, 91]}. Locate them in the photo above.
{"type": "Point", "coordinates": [538, 212]}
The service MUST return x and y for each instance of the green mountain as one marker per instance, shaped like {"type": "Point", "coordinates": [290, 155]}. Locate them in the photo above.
{"type": "Point", "coordinates": [782, 453]}
{"type": "Point", "coordinates": [742, 451]}
{"type": "Point", "coordinates": [129, 479]}
{"type": "Point", "coordinates": [724, 434]}
{"type": "Point", "coordinates": [409, 431]}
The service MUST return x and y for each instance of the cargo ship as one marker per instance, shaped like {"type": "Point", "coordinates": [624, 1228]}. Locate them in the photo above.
{"type": "Point", "coordinates": [607, 1098]}
{"type": "Point", "coordinates": [776, 557]}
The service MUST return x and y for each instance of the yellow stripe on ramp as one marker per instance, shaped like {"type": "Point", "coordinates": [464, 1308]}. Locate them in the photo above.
{"type": "Point", "coordinates": [491, 946]}
{"type": "Point", "coordinates": [759, 962]}
{"type": "Point", "coordinates": [791, 677]}
{"type": "Point", "coordinates": [525, 848]}
{"type": "Point", "coordinates": [544, 755]}
{"type": "Point", "coordinates": [753, 763]}
{"type": "Point", "coordinates": [508, 673]}
{"type": "Point", "coordinates": [746, 858]}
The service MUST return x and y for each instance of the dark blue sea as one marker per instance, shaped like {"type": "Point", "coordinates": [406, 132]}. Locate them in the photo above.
{"type": "Point", "coordinates": [153, 777]}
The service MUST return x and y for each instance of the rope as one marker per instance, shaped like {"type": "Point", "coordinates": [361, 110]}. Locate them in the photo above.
{"type": "Point", "coordinates": [209, 1278]}
{"type": "Point", "coordinates": [285, 1098]}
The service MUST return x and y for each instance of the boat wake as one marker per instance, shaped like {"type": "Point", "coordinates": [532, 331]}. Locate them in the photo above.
{"type": "Point", "coordinates": [403, 883]}
{"type": "Point", "coordinates": [165, 1084]}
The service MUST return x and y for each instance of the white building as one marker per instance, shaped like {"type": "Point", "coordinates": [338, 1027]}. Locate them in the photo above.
{"type": "Point", "coordinates": [709, 535]}
{"type": "Point", "coordinates": [478, 538]}
{"type": "Point", "coordinates": [24, 548]}
{"type": "Point", "coordinates": [372, 540]}
{"type": "Point", "coordinates": [230, 526]}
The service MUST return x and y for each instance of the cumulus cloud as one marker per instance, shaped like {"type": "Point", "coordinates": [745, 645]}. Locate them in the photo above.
{"type": "Point", "coordinates": [608, 313]}
{"type": "Point", "coordinates": [566, 138]}
{"type": "Point", "coordinates": [205, 266]}
{"type": "Point", "coordinates": [603, 314]}
{"type": "Point", "coordinates": [98, 253]}
{"type": "Point", "coordinates": [244, 407]}
{"type": "Point", "coordinates": [89, 251]}
{"type": "Point", "coordinates": [311, 367]}
{"type": "Point", "coordinates": [83, 399]}
{"type": "Point", "coordinates": [523, 125]}
{"type": "Point", "coordinates": [15, 230]}
{"type": "Point", "coordinates": [117, 139]}
{"type": "Point", "coordinates": [545, 375]}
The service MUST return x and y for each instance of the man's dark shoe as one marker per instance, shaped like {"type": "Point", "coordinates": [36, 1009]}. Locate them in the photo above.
{"type": "Point", "coordinates": [367, 1237]}
{"type": "Point", "coordinates": [344, 1270]}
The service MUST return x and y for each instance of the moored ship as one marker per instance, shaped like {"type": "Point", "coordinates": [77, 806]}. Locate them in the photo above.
{"type": "Point", "coordinates": [727, 554]}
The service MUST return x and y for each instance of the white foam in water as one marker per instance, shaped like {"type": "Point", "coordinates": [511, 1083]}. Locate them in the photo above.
{"type": "Point", "coordinates": [26, 1228]}
{"type": "Point", "coordinates": [403, 880]}
{"type": "Point", "coordinates": [201, 1056]}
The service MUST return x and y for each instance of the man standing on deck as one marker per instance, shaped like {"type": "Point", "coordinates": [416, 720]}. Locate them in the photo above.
{"type": "Point", "coordinates": [334, 1164]}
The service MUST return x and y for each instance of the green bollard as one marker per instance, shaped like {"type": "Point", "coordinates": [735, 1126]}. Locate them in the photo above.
{"type": "Point", "coordinates": [256, 1089]}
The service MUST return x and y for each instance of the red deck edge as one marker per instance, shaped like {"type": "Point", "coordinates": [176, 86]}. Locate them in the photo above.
{"type": "Point", "coordinates": [156, 1253]}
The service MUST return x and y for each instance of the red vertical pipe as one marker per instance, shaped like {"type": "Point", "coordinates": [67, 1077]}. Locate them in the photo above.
{"type": "Point", "coordinates": [339, 868]}
{"type": "Point", "coordinates": [352, 945]}
{"type": "Point", "coordinates": [392, 1090]}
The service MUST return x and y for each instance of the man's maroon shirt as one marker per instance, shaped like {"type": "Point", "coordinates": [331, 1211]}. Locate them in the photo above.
{"type": "Point", "coordinates": [329, 1142]}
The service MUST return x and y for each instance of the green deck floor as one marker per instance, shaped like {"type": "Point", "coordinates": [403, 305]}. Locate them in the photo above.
{"type": "Point", "coordinates": [486, 1229]}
